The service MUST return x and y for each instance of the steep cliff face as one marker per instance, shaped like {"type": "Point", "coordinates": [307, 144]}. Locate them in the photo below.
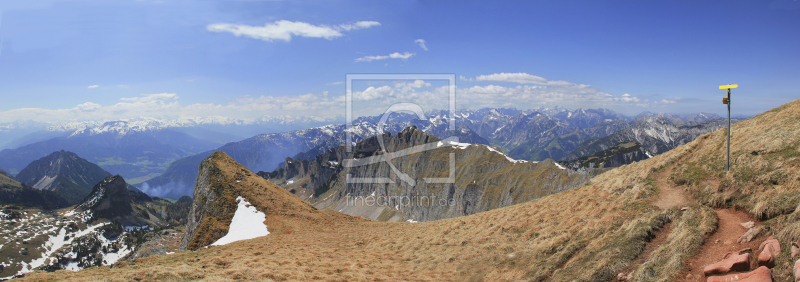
{"type": "Point", "coordinates": [220, 181]}
{"type": "Point", "coordinates": [483, 178]}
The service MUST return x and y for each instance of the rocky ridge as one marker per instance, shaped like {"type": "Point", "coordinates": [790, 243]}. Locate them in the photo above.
{"type": "Point", "coordinates": [220, 181]}
{"type": "Point", "coordinates": [484, 178]}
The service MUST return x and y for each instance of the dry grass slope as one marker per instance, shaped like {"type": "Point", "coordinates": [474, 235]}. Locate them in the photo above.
{"type": "Point", "coordinates": [229, 179]}
{"type": "Point", "coordinates": [586, 234]}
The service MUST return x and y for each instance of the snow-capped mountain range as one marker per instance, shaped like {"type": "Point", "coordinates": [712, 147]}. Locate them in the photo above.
{"type": "Point", "coordinates": [125, 126]}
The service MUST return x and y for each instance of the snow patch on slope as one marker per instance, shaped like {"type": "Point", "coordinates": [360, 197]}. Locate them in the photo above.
{"type": "Point", "coordinates": [457, 145]}
{"type": "Point", "coordinates": [506, 156]}
{"type": "Point", "coordinates": [247, 223]}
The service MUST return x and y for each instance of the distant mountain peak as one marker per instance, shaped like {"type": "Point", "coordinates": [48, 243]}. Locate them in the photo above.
{"type": "Point", "coordinates": [63, 172]}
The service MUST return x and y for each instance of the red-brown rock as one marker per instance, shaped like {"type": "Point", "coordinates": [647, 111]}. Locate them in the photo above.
{"type": "Point", "coordinates": [767, 252]}
{"type": "Point", "coordinates": [761, 274]}
{"type": "Point", "coordinates": [730, 262]}
{"type": "Point", "coordinates": [749, 235]}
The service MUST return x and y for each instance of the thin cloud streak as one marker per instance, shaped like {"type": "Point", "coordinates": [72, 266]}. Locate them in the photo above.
{"type": "Point", "coordinates": [394, 55]}
{"type": "Point", "coordinates": [284, 30]}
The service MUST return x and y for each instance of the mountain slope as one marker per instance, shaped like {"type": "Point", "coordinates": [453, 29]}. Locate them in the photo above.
{"type": "Point", "coordinates": [591, 233]}
{"type": "Point", "coordinates": [101, 230]}
{"type": "Point", "coordinates": [14, 192]}
{"type": "Point", "coordinates": [220, 182]}
{"type": "Point", "coordinates": [64, 173]}
{"type": "Point", "coordinates": [264, 151]}
{"type": "Point", "coordinates": [621, 154]}
{"type": "Point", "coordinates": [267, 151]}
{"type": "Point", "coordinates": [654, 134]}
{"type": "Point", "coordinates": [537, 136]}
{"type": "Point", "coordinates": [484, 179]}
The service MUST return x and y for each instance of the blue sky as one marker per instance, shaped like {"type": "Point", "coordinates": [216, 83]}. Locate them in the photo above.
{"type": "Point", "coordinates": [103, 60]}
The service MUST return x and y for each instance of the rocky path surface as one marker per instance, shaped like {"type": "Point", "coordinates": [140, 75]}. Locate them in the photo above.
{"type": "Point", "coordinates": [724, 240]}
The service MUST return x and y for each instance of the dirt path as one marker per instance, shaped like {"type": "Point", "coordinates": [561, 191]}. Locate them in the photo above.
{"type": "Point", "coordinates": [668, 195]}
{"type": "Point", "coordinates": [722, 241]}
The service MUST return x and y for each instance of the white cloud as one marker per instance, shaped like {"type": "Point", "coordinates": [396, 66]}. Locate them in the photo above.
{"type": "Point", "coordinates": [665, 101]}
{"type": "Point", "coordinates": [152, 97]}
{"type": "Point", "coordinates": [394, 55]}
{"type": "Point", "coordinates": [93, 86]}
{"type": "Point", "coordinates": [414, 84]}
{"type": "Point", "coordinates": [167, 106]}
{"type": "Point", "coordinates": [296, 106]}
{"type": "Point", "coordinates": [521, 78]}
{"type": "Point", "coordinates": [372, 93]}
{"type": "Point", "coordinates": [421, 43]}
{"type": "Point", "coordinates": [627, 98]}
{"type": "Point", "coordinates": [284, 30]}
{"type": "Point", "coordinates": [87, 107]}
{"type": "Point", "coordinates": [532, 96]}
{"type": "Point", "coordinates": [335, 83]}
{"type": "Point", "coordinates": [461, 77]}
{"type": "Point", "coordinates": [358, 25]}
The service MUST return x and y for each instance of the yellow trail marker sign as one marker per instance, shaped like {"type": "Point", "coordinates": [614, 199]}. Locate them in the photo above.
{"type": "Point", "coordinates": [727, 101]}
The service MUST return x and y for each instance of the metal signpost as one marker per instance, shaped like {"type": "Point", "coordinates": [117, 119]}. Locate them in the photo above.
{"type": "Point", "coordinates": [727, 101]}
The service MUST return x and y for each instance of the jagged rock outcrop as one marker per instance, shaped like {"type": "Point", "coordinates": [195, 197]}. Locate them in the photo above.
{"type": "Point", "coordinates": [483, 178]}
{"type": "Point", "coordinates": [109, 199]}
{"type": "Point", "coordinates": [65, 173]}
{"type": "Point", "coordinates": [219, 182]}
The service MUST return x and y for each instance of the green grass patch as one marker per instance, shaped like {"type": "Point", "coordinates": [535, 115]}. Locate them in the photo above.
{"type": "Point", "coordinates": [690, 175]}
